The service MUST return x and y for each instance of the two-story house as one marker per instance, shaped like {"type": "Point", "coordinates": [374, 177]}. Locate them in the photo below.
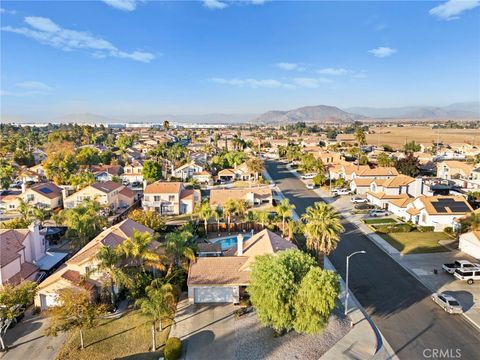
{"type": "Point", "coordinates": [170, 198]}
{"type": "Point", "coordinates": [133, 172]}
{"type": "Point", "coordinates": [463, 174]}
{"type": "Point", "coordinates": [19, 249]}
{"type": "Point", "coordinates": [186, 171]}
{"type": "Point", "coordinates": [44, 195]}
{"type": "Point", "coordinates": [253, 196]}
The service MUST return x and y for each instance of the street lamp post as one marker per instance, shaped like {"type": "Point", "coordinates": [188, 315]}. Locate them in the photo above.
{"type": "Point", "coordinates": [346, 289]}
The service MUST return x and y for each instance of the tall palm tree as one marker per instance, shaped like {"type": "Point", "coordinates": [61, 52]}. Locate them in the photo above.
{"type": "Point", "coordinates": [137, 249]}
{"type": "Point", "coordinates": [205, 213]}
{"type": "Point", "coordinates": [228, 210]}
{"type": "Point", "coordinates": [262, 217]}
{"type": "Point", "coordinates": [218, 214]}
{"type": "Point", "coordinates": [178, 248]}
{"type": "Point", "coordinates": [285, 210]}
{"type": "Point", "coordinates": [240, 208]}
{"type": "Point", "coordinates": [108, 263]}
{"type": "Point", "coordinates": [166, 125]}
{"type": "Point", "coordinates": [159, 304]}
{"type": "Point", "coordinates": [322, 228]}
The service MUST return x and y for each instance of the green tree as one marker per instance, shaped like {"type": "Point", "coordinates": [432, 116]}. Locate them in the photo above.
{"type": "Point", "coordinates": [360, 137]}
{"type": "Point", "coordinates": [411, 146]}
{"type": "Point", "coordinates": [263, 217]}
{"type": "Point", "coordinates": [279, 285]}
{"type": "Point", "coordinates": [228, 210]}
{"type": "Point", "coordinates": [76, 311]}
{"type": "Point", "coordinates": [166, 125]}
{"type": "Point", "coordinates": [150, 218]}
{"type": "Point", "coordinates": [218, 215]}
{"type": "Point", "coordinates": [138, 250]}
{"type": "Point", "coordinates": [81, 180]}
{"type": "Point", "coordinates": [384, 160]}
{"type": "Point", "coordinates": [255, 166]}
{"type": "Point", "coordinates": [6, 175]}
{"type": "Point", "coordinates": [319, 179]}
{"type": "Point", "coordinates": [87, 156]}
{"type": "Point", "coordinates": [10, 299]}
{"type": "Point", "coordinates": [152, 171]}
{"type": "Point", "coordinates": [205, 213]}
{"type": "Point", "coordinates": [158, 305]}
{"type": "Point", "coordinates": [315, 300]}
{"type": "Point", "coordinates": [284, 210]}
{"type": "Point", "coordinates": [408, 165]}
{"type": "Point", "coordinates": [179, 249]}
{"type": "Point", "coordinates": [108, 261]}
{"type": "Point", "coordinates": [322, 228]}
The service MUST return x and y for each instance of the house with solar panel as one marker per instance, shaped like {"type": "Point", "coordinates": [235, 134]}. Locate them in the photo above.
{"type": "Point", "coordinates": [44, 195]}
{"type": "Point", "coordinates": [437, 211]}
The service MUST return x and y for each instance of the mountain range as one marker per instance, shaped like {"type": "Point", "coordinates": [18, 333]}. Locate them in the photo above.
{"type": "Point", "coordinates": [319, 113]}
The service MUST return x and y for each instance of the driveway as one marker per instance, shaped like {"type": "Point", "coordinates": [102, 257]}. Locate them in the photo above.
{"type": "Point", "coordinates": [27, 340]}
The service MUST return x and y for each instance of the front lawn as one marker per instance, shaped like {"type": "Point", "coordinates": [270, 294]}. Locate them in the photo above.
{"type": "Point", "coordinates": [415, 242]}
{"type": "Point", "coordinates": [380, 221]}
{"type": "Point", "coordinates": [129, 336]}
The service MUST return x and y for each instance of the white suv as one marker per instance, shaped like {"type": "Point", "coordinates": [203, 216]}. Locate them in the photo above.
{"type": "Point", "coordinates": [469, 275]}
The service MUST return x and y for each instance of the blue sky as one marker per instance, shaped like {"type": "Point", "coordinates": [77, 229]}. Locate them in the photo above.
{"type": "Point", "coordinates": [127, 58]}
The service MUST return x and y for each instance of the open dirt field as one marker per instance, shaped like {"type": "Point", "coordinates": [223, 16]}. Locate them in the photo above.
{"type": "Point", "coordinates": [397, 136]}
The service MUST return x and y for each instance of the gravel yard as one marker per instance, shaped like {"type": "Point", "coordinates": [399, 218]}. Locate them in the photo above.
{"type": "Point", "coordinates": [253, 341]}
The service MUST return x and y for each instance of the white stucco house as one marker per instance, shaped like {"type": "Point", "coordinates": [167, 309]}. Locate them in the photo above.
{"type": "Point", "coordinates": [470, 243]}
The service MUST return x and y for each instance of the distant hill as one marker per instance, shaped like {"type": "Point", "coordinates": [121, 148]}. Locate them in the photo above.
{"type": "Point", "coordinates": [453, 111]}
{"type": "Point", "coordinates": [318, 114]}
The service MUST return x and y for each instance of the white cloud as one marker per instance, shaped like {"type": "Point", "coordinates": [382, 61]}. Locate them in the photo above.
{"type": "Point", "coordinates": [310, 82]}
{"type": "Point", "coordinates": [214, 4]}
{"type": "Point", "coordinates": [334, 71]}
{"type": "Point", "coordinates": [382, 52]}
{"type": "Point", "coordinates": [47, 32]}
{"type": "Point", "coordinates": [34, 85]}
{"type": "Point", "coordinates": [253, 83]}
{"type": "Point", "coordinates": [451, 9]}
{"type": "Point", "coordinates": [290, 66]}
{"type": "Point", "coordinates": [124, 5]}
{"type": "Point", "coordinates": [5, 11]}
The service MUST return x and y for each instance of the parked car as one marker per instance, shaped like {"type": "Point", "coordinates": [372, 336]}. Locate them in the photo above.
{"type": "Point", "coordinates": [311, 186]}
{"type": "Point", "coordinates": [378, 212]}
{"type": "Point", "coordinates": [364, 206]}
{"type": "Point", "coordinates": [459, 264]}
{"type": "Point", "coordinates": [341, 191]}
{"type": "Point", "coordinates": [125, 182]}
{"type": "Point", "coordinates": [308, 176]}
{"type": "Point", "coordinates": [358, 200]}
{"type": "Point", "coordinates": [136, 184]}
{"type": "Point", "coordinates": [447, 303]}
{"type": "Point", "coordinates": [469, 275]}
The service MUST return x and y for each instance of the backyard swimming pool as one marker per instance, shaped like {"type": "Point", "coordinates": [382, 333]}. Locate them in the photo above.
{"type": "Point", "coordinates": [228, 242]}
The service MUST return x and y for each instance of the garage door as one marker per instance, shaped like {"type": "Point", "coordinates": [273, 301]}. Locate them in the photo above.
{"type": "Point", "coordinates": [469, 248]}
{"type": "Point", "coordinates": [214, 294]}
{"type": "Point", "coordinates": [48, 300]}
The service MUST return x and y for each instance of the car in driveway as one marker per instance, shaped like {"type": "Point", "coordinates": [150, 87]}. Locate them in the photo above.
{"type": "Point", "coordinates": [364, 206]}
{"type": "Point", "coordinates": [459, 264]}
{"type": "Point", "coordinates": [311, 186]}
{"type": "Point", "coordinates": [308, 176]}
{"type": "Point", "coordinates": [469, 275]}
{"type": "Point", "coordinates": [358, 200]}
{"type": "Point", "coordinates": [378, 212]}
{"type": "Point", "coordinates": [447, 303]}
{"type": "Point", "coordinates": [341, 192]}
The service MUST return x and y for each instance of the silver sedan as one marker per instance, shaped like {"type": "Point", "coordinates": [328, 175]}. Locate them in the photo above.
{"type": "Point", "coordinates": [447, 303]}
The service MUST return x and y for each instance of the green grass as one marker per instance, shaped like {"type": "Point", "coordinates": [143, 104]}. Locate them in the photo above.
{"type": "Point", "coordinates": [380, 221]}
{"type": "Point", "coordinates": [128, 337]}
{"type": "Point", "coordinates": [415, 242]}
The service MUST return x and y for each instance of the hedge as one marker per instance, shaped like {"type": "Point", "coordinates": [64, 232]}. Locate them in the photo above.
{"type": "Point", "coordinates": [425, 228]}
{"type": "Point", "coordinates": [386, 229]}
{"type": "Point", "coordinates": [173, 349]}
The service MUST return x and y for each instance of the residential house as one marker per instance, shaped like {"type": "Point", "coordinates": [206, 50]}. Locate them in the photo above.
{"type": "Point", "coordinates": [9, 199]}
{"type": "Point", "coordinates": [45, 195]}
{"type": "Point", "coordinates": [71, 274]}
{"type": "Point", "coordinates": [186, 171]}
{"type": "Point", "coordinates": [463, 174]}
{"type": "Point", "coordinates": [133, 172]}
{"type": "Point", "coordinates": [110, 194]}
{"type": "Point", "coordinates": [254, 196]}
{"type": "Point", "coordinates": [34, 174]}
{"type": "Point", "coordinates": [223, 279]}
{"type": "Point", "coordinates": [170, 198]}
{"type": "Point", "coordinates": [226, 175]}
{"type": "Point", "coordinates": [470, 243]}
{"type": "Point", "coordinates": [363, 178]}
{"type": "Point", "coordinates": [203, 177]}
{"type": "Point", "coordinates": [20, 248]}
{"type": "Point", "coordinates": [437, 211]}
{"type": "Point", "coordinates": [400, 186]}
{"type": "Point", "coordinates": [106, 172]}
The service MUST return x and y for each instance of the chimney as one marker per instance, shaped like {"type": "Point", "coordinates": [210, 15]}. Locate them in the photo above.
{"type": "Point", "coordinates": [64, 196]}
{"type": "Point", "coordinates": [24, 187]}
{"type": "Point", "coordinates": [239, 245]}
{"type": "Point", "coordinates": [37, 242]}
{"type": "Point", "coordinates": [144, 184]}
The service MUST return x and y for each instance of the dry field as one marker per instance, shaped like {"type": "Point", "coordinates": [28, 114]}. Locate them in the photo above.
{"type": "Point", "coordinates": [397, 136]}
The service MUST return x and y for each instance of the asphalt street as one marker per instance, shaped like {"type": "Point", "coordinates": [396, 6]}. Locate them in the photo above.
{"type": "Point", "coordinates": [399, 304]}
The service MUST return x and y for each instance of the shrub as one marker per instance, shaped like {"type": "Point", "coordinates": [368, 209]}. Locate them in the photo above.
{"type": "Point", "coordinates": [173, 349]}
{"type": "Point", "coordinates": [425, 228]}
{"type": "Point", "coordinates": [397, 228]}
{"type": "Point", "coordinates": [448, 230]}
{"type": "Point", "coordinates": [36, 310]}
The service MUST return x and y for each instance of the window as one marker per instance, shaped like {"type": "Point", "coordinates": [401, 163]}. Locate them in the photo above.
{"type": "Point", "coordinates": [171, 197]}
{"type": "Point", "coordinates": [30, 197]}
{"type": "Point", "coordinates": [156, 198]}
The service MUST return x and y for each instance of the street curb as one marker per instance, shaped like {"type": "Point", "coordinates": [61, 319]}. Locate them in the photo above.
{"type": "Point", "coordinates": [470, 320]}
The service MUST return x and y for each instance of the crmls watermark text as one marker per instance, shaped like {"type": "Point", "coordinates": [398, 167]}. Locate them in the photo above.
{"type": "Point", "coordinates": [442, 353]}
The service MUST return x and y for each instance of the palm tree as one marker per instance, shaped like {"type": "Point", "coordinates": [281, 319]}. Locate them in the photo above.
{"type": "Point", "coordinates": [108, 261]}
{"type": "Point", "coordinates": [255, 166]}
{"type": "Point", "coordinates": [285, 210]}
{"type": "Point", "coordinates": [137, 249]}
{"type": "Point", "coordinates": [178, 248]}
{"type": "Point", "coordinates": [166, 125]}
{"type": "Point", "coordinates": [218, 214]}
{"type": "Point", "coordinates": [205, 213]}
{"type": "Point", "coordinates": [322, 228]}
{"type": "Point", "coordinates": [159, 304]}
{"type": "Point", "coordinates": [240, 208]}
{"type": "Point", "coordinates": [262, 217]}
{"type": "Point", "coordinates": [228, 210]}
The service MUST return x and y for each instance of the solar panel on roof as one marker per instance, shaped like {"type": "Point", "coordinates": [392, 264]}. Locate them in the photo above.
{"type": "Point", "coordinates": [454, 205]}
{"type": "Point", "coordinates": [45, 190]}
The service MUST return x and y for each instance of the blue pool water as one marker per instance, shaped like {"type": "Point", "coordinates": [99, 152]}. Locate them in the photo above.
{"type": "Point", "coordinates": [227, 243]}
